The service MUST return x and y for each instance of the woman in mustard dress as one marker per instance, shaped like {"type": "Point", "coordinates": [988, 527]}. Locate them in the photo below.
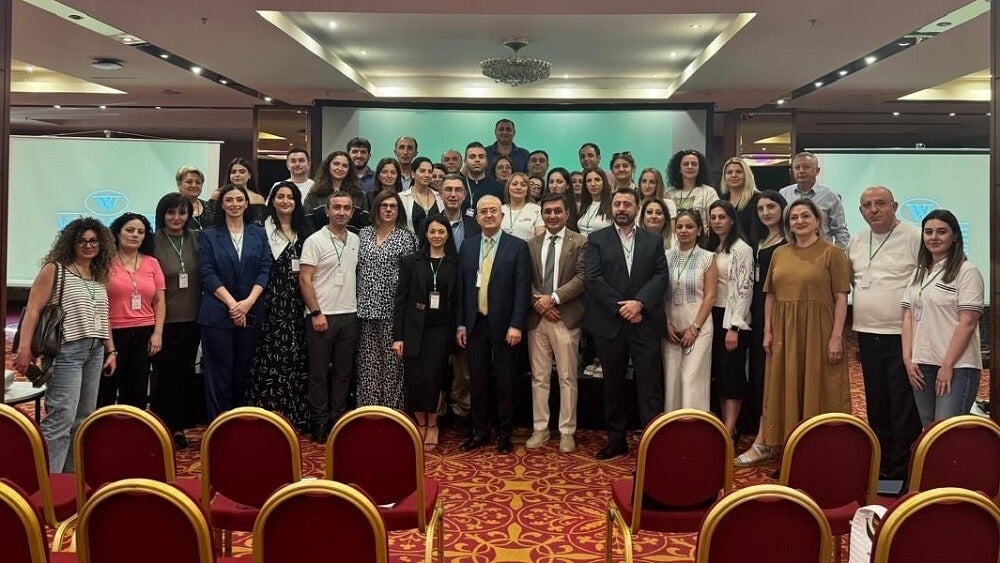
{"type": "Point", "coordinates": [804, 313]}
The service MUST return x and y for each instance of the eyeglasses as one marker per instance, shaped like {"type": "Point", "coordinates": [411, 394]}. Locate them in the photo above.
{"type": "Point", "coordinates": [93, 242]}
{"type": "Point", "coordinates": [623, 153]}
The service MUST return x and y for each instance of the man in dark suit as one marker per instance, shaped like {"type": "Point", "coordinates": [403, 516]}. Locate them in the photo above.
{"type": "Point", "coordinates": [626, 284]}
{"type": "Point", "coordinates": [494, 286]}
{"type": "Point", "coordinates": [557, 286]}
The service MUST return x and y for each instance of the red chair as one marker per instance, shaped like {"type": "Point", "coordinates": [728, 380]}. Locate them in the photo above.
{"type": "Point", "coordinates": [962, 451]}
{"type": "Point", "coordinates": [123, 442]}
{"type": "Point", "coordinates": [379, 450]}
{"type": "Point", "coordinates": [24, 460]}
{"type": "Point", "coordinates": [946, 524]}
{"type": "Point", "coordinates": [317, 520]}
{"type": "Point", "coordinates": [834, 458]}
{"type": "Point", "coordinates": [21, 535]}
{"type": "Point", "coordinates": [246, 454]}
{"type": "Point", "coordinates": [685, 464]}
{"type": "Point", "coordinates": [765, 524]}
{"type": "Point", "coordinates": [142, 520]}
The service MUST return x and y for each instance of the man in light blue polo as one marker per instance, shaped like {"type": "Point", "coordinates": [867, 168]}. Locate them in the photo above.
{"type": "Point", "coordinates": [805, 169]}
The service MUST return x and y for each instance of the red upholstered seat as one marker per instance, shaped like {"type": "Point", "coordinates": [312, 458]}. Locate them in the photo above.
{"type": "Point", "coordinates": [962, 451]}
{"type": "Point", "coordinates": [302, 521]}
{"type": "Point", "coordinates": [246, 455]}
{"type": "Point", "coordinates": [391, 473]}
{"type": "Point", "coordinates": [143, 520]}
{"type": "Point", "coordinates": [945, 524]}
{"type": "Point", "coordinates": [62, 557]}
{"type": "Point", "coordinates": [24, 461]}
{"type": "Point", "coordinates": [685, 463]}
{"type": "Point", "coordinates": [765, 524]}
{"type": "Point", "coordinates": [834, 458]}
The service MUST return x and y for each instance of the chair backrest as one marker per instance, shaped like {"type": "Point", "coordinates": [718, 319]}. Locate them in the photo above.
{"type": "Point", "coordinates": [120, 442]}
{"type": "Point", "coordinates": [301, 522]}
{"type": "Point", "coordinates": [765, 524]}
{"type": "Point", "coordinates": [247, 454]}
{"type": "Point", "coordinates": [946, 524]}
{"type": "Point", "coordinates": [24, 458]}
{"type": "Point", "coordinates": [387, 473]}
{"type": "Point", "coordinates": [834, 458]}
{"type": "Point", "coordinates": [685, 460]}
{"type": "Point", "coordinates": [962, 451]}
{"type": "Point", "coordinates": [142, 520]}
{"type": "Point", "coordinates": [21, 535]}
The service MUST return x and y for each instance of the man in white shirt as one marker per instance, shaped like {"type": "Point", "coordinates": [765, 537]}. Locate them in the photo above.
{"type": "Point", "coordinates": [557, 286]}
{"type": "Point", "coordinates": [805, 169]}
{"type": "Point", "coordinates": [883, 260]}
{"type": "Point", "coordinates": [297, 162]}
{"type": "Point", "coordinates": [328, 280]}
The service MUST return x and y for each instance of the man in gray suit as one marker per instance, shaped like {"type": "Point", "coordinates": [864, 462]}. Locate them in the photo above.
{"type": "Point", "coordinates": [557, 286]}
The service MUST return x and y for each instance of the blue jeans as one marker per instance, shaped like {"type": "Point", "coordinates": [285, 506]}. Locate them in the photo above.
{"type": "Point", "coordinates": [964, 386]}
{"type": "Point", "coordinates": [70, 397]}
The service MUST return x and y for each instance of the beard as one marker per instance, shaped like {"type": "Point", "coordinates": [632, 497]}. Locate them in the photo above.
{"type": "Point", "coordinates": [624, 219]}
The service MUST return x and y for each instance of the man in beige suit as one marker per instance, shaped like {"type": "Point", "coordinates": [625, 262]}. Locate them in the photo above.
{"type": "Point", "coordinates": [557, 286]}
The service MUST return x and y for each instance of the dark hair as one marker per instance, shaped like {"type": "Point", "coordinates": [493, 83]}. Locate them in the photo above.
{"type": "Point", "coordinates": [812, 208]}
{"type": "Point", "coordinates": [360, 142]}
{"type": "Point", "coordinates": [439, 166]}
{"type": "Point", "coordinates": [324, 181]}
{"type": "Point", "coordinates": [538, 151]}
{"type": "Point", "coordinates": [418, 161]}
{"type": "Point", "coordinates": [674, 169]}
{"type": "Point", "coordinates": [64, 248]}
{"type": "Point", "coordinates": [221, 221]}
{"type": "Point", "coordinates": [399, 174]}
{"type": "Point", "coordinates": [251, 181]}
{"type": "Point", "coordinates": [425, 245]}
{"type": "Point", "coordinates": [586, 199]}
{"type": "Point", "coordinates": [473, 145]}
{"type": "Point", "coordinates": [339, 193]}
{"type": "Point", "coordinates": [712, 243]}
{"type": "Point", "coordinates": [696, 217]}
{"type": "Point", "coordinates": [493, 166]}
{"type": "Point", "coordinates": [454, 176]}
{"type": "Point", "coordinates": [594, 146]}
{"type": "Point", "coordinates": [400, 212]}
{"type": "Point", "coordinates": [626, 191]}
{"type": "Point", "coordinates": [626, 156]}
{"type": "Point", "coordinates": [956, 254]}
{"type": "Point", "coordinates": [300, 224]}
{"type": "Point", "coordinates": [562, 172]}
{"type": "Point", "coordinates": [169, 202]}
{"type": "Point", "coordinates": [504, 120]}
{"type": "Point", "coordinates": [294, 150]}
{"type": "Point", "coordinates": [147, 246]}
{"type": "Point", "coordinates": [551, 197]}
{"type": "Point", "coordinates": [762, 231]}
{"type": "Point", "coordinates": [774, 196]}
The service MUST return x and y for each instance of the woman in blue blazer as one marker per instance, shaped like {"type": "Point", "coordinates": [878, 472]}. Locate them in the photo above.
{"type": "Point", "coordinates": [235, 261]}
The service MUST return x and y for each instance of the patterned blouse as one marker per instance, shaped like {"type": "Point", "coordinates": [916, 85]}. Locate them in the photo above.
{"type": "Point", "coordinates": [687, 274]}
{"type": "Point", "coordinates": [378, 271]}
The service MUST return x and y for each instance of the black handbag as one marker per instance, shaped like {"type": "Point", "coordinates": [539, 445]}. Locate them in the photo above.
{"type": "Point", "coordinates": [48, 336]}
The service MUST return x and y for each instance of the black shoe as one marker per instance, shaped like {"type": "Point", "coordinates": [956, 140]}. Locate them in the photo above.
{"type": "Point", "coordinates": [612, 450]}
{"type": "Point", "coordinates": [504, 445]}
{"type": "Point", "coordinates": [461, 425]}
{"type": "Point", "coordinates": [318, 433]}
{"type": "Point", "coordinates": [474, 443]}
{"type": "Point", "coordinates": [180, 440]}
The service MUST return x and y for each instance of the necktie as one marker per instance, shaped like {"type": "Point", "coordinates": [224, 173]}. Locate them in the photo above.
{"type": "Point", "coordinates": [550, 267]}
{"type": "Point", "coordinates": [484, 277]}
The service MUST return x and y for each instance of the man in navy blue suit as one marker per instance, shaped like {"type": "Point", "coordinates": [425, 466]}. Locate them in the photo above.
{"type": "Point", "coordinates": [494, 289]}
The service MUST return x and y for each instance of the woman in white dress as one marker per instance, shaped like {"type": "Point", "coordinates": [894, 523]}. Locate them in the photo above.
{"type": "Point", "coordinates": [688, 177]}
{"type": "Point", "coordinates": [687, 351]}
{"type": "Point", "coordinates": [595, 202]}
{"type": "Point", "coordinates": [521, 217]}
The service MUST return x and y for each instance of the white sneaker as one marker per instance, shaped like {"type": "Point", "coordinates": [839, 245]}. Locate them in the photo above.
{"type": "Point", "coordinates": [598, 372]}
{"type": "Point", "coordinates": [537, 440]}
{"type": "Point", "coordinates": [567, 443]}
{"type": "Point", "coordinates": [589, 370]}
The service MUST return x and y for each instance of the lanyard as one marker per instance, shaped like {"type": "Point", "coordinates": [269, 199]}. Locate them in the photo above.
{"type": "Point", "coordinates": [338, 251]}
{"type": "Point", "coordinates": [131, 275]}
{"type": "Point", "coordinates": [514, 216]}
{"type": "Point", "coordinates": [930, 281]}
{"type": "Point", "coordinates": [489, 243]}
{"type": "Point", "coordinates": [291, 242]}
{"type": "Point", "coordinates": [179, 250]}
{"type": "Point", "coordinates": [629, 249]}
{"type": "Point", "coordinates": [684, 267]}
{"type": "Point", "coordinates": [871, 255]}
{"type": "Point", "coordinates": [434, 273]}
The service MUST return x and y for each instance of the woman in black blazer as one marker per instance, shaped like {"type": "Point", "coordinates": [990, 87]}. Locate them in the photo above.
{"type": "Point", "coordinates": [423, 325]}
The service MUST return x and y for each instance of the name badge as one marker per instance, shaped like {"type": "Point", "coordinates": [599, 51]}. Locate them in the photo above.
{"type": "Point", "coordinates": [918, 310]}
{"type": "Point", "coordinates": [479, 280]}
{"type": "Point", "coordinates": [136, 302]}
{"type": "Point", "coordinates": [182, 280]}
{"type": "Point", "coordinates": [295, 264]}
{"type": "Point", "coordinates": [866, 279]}
{"type": "Point", "coordinates": [435, 300]}
{"type": "Point", "coordinates": [471, 212]}
{"type": "Point", "coordinates": [338, 278]}
{"type": "Point", "coordinates": [756, 274]}
{"type": "Point", "coordinates": [421, 306]}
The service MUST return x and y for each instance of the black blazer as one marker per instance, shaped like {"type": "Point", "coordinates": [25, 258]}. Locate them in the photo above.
{"type": "Point", "coordinates": [608, 282]}
{"type": "Point", "coordinates": [510, 284]}
{"type": "Point", "coordinates": [411, 301]}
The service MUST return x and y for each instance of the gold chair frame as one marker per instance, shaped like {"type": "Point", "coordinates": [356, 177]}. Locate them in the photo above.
{"type": "Point", "coordinates": [936, 432]}
{"type": "Point", "coordinates": [26, 514]}
{"type": "Point", "coordinates": [38, 458]}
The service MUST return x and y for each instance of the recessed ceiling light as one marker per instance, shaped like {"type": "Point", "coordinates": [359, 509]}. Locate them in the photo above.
{"type": "Point", "coordinates": [565, 76]}
{"type": "Point", "coordinates": [895, 114]}
{"type": "Point", "coordinates": [196, 69]}
{"type": "Point", "coordinates": [107, 64]}
{"type": "Point", "coordinates": [103, 107]}
{"type": "Point", "coordinates": [781, 101]}
{"type": "Point", "coordinates": [818, 83]}
{"type": "Point", "coordinates": [842, 73]}
{"type": "Point", "coordinates": [75, 17]}
{"type": "Point", "coordinates": [952, 114]}
{"type": "Point", "coordinates": [57, 106]}
{"type": "Point", "coordinates": [223, 81]}
{"type": "Point", "coordinates": [268, 99]}
{"type": "Point", "coordinates": [903, 43]}
{"type": "Point", "coordinates": [943, 24]}
{"type": "Point", "coordinates": [157, 107]}
{"type": "Point", "coordinates": [364, 52]}
{"type": "Point", "coordinates": [763, 148]}
{"type": "Point", "coordinates": [870, 59]}
{"type": "Point", "coordinates": [164, 56]}
{"type": "Point", "coordinates": [332, 24]}
{"type": "Point", "coordinates": [989, 113]}
{"type": "Point", "coordinates": [673, 54]}
{"type": "Point", "coordinates": [30, 68]}
{"type": "Point", "coordinates": [695, 26]}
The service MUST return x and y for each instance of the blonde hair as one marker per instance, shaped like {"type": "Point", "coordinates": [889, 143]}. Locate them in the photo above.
{"type": "Point", "coordinates": [185, 170]}
{"type": "Point", "coordinates": [741, 199]}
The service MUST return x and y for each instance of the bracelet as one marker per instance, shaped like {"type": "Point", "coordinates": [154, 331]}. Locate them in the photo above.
{"type": "Point", "coordinates": [112, 352]}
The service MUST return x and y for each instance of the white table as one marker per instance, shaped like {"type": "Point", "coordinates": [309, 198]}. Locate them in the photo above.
{"type": "Point", "coordinates": [22, 392]}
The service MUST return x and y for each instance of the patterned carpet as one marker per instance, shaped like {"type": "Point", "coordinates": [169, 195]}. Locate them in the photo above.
{"type": "Point", "coordinates": [540, 506]}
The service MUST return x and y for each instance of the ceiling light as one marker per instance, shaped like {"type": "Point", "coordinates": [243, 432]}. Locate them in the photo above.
{"type": "Point", "coordinates": [565, 76]}
{"type": "Point", "coordinates": [129, 39]}
{"type": "Point", "coordinates": [870, 59]}
{"type": "Point", "coordinates": [952, 114]}
{"type": "Point", "coordinates": [514, 70]}
{"type": "Point", "coordinates": [164, 56]}
{"type": "Point", "coordinates": [673, 54]}
{"type": "Point", "coordinates": [75, 17]}
{"type": "Point", "coordinates": [989, 113]}
{"type": "Point", "coordinates": [268, 99]}
{"type": "Point", "coordinates": [781, 101]}
{"type": "Point", "coordinates": [196, 69]}
{"type": "Point", "coordinates": [107, 64]}
{"type": "Point", "coordinates": [57, 106]}
{"type": "Point", "coordinates": [763, 148]}
{"type": "Point", "coordinates": [332, 24]}
{"type": "Point", "coordinates": [842, 73]}
{"type": "Point", "coordinates": [223, 81]}
{"type": "Point", "coordinates": [30, 68]}
{"type": "Point", "coordinates": [943, 24]}
{"type": "Point", "coordinates": [363, 52]}
{"type": "Point", "coordinates": [903, 43]}
{"type": "Point", "coordinates": [818, 83]}
{"type": "Point", "coordinates": [158, 107]}
{"type": "Point", "coordinates": [103, 107]}
{"type": "Point", "coordinates": [695, 26]}
{"type": "Point", "coordinates": [895, 114]}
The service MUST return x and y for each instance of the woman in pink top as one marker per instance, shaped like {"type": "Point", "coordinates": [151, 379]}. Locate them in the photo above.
{"type": "Point", "coordinates": [137, 310]}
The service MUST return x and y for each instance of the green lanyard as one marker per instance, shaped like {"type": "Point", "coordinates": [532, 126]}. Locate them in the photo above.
{"type": "Point", "coordinates": [489, 243]}
{"type": "Point", "coordinates": [338, 251]}
{"type": "Point", "coordinates": [178, 250]}
{"type": "Point", "coordinates": [434, 273]}
{"type": "Point", "coordinates": [928, 282]}
{"type": "Point", "coordinates": [871, 255]}
{"type": "Point", "coordinates": [684, 267]}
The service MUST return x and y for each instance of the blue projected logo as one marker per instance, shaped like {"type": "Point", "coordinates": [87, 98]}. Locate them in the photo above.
{"type": "Point", "coordinates": [106, 202]}
{"type": "Point", "coordinates": [914, 210]}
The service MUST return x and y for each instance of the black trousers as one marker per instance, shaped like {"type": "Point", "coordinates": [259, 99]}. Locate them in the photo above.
{"type": "Point", "coordinates": [647, 363]}
{"type": "Point", "coordinates": [175, 396]}
{"type": "Point", "coordinates": [129, 384]}
{"type": "Point", "coordinates": [331, 362]}
{"type": "Point", "coordinates": [491, 375]}
{"type": "Point", "coordinates": [892, 411]}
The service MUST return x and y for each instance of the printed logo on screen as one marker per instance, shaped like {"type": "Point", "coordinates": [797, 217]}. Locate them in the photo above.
{"type": "Point", "coordinates": [106, 202]}
{"type": "Point", "coordinates": [914, 210]}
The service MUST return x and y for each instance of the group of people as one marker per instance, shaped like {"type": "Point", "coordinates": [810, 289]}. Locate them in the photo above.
{"type": "Point", "coordinates": [387, 280]}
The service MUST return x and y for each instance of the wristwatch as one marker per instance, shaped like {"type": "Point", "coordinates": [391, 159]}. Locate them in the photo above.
{"type": "Point", "coordinates": [314, 313]}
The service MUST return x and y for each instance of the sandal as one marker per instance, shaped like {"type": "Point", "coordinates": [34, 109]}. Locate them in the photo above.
{"type": "Point", "coordinates": [431, 438]}
{"type": "Point", "coordinates": [756, 455]}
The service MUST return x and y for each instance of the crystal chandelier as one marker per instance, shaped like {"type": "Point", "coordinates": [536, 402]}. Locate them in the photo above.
{"type": "Point", "coordinates": [515, 70]}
